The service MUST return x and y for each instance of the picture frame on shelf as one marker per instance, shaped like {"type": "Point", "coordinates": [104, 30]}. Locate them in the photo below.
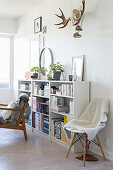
{"type": "Point", "coordinates": [38, 25]}
{"type": "Point", "coordinates": [77, 67]}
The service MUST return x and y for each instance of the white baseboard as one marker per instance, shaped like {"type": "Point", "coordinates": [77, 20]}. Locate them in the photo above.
{"type": "Point", "coordinates": [97, 151]}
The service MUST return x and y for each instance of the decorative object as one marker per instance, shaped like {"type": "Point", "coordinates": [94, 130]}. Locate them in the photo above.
{"type": "Point", "coordinates": [56, 69]}
{"type": "Point", "coordinates": [41, 91]}
{"type": "Point", "coordinates": [44, 30]}
{"type": "Point", "coordinates": [53, 89]}
{"type": "Point", "coordinates": [37, 25]}
{"type": "Point", "coordinates": [39, 75]}
{"type": "Point", "coordinates": [62, 76]}
{"type": "Point", "coordinates": [75, 18]}
{"type": "Point", "coordinates": [70, 77]}
{"type": "Point", "coordinates": [28, 75]}
{"type": "Point", "coordinates": [77, 35]}
{"type": "Point", "coordinates": [35, 70]}
{"type": "Point", "coordinates": [46, 59]}
{"type": "Point", "coordinates": [77, 68]}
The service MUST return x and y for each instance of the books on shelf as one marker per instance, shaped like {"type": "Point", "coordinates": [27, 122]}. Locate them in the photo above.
{"type": "Point", "coordinates": [46, 125]}
{"type": "Point", "coordinates": [41, 108]}
{"type": "Point", "coordinates": [67, 90]}
{"type": "Point", "coordinates": [40, 122]}
{"type": "Point", "coordinates": [37, 121]}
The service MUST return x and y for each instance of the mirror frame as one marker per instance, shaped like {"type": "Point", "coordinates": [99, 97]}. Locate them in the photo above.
{"type": "Point", "coordinates": [41, 57]}
{"type": "Point", "coordinates": [79, 78]}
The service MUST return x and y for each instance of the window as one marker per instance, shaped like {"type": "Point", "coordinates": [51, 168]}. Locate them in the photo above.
{"type": "Point", "coordinates": [4, 62]}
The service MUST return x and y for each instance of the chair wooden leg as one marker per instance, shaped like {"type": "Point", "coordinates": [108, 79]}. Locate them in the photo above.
{"type": "Point", "coordinates": [25, 134]}
{"type": "Point", "coordinates": [71, 145]}
{"type": "Point", "coordinates": [100, 147]}
{"type": "Point", "coordinates": [85, 148]}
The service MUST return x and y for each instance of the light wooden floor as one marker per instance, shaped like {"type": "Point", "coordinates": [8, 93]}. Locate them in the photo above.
{"type": "Point", "coordinates": [39, 154]}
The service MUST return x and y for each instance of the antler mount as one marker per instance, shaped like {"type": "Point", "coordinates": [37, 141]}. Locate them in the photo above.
{"type": "Point", "coordinates": [65, 21]}
{"type": "Point", "coordinates": [77, 18]}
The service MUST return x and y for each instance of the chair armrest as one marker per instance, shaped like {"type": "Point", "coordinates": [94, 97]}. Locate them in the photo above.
{"type": "Point", "coordinates": [16, 109]}
{"type": "Point", "coordinates": [3, 104]}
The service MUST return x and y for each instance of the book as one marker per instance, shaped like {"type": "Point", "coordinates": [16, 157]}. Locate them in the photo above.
{"type": "Point", "coordinates": [60, 108]}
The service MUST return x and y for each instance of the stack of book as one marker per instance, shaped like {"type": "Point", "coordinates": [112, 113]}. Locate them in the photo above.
{"type": "Point", "coordinates": [58, 104]}
{"type": "Point", "coordinates": [60, 109]}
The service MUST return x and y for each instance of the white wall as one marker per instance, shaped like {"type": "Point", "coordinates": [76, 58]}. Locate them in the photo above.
{"type": "Point", "coordinates": [96, 43]}
{"type": "Point", "coordinates": [8, 25]}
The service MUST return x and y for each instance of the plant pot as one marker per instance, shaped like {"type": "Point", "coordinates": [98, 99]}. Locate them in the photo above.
{"type": "Point", "coordinates": [56, 75]}
{"type": "Point", "coordinates": [35, 75]}
{"type": "Point", "coordinates": [49, 78]}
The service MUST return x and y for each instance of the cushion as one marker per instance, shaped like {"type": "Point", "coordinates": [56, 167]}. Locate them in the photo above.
{"type": "Point", "coordinates": [7, 113]}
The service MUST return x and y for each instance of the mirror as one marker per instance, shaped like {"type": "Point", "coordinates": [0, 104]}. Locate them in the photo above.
{"type": "Point", "coordinates": [46, 58]}
{"type": "Point", "coordinates": [77, 67]}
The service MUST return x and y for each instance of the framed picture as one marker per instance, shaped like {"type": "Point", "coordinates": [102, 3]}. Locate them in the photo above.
{"type": "Point", "coordinates": [38, 25]}
{"type": "Point", "coordinates": [77, 67]}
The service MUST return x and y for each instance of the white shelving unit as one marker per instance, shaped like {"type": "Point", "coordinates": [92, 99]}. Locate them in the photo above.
{"type": "Point", "coordinates": [79, 100]}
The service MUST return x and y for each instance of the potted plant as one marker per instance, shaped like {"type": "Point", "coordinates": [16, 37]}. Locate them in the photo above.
{"type": "Point", "coordinates": [49, 76]}
{"type": "Point", "coordinates": [56, 69]}
{"type": "Point", "coordinates": [44, 70]}
{"type": "Point", "coordinates": [35, 71]}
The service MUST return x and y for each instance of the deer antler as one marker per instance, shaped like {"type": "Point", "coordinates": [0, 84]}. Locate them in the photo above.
{"type": "Point", "coordinates": [82, 12]}
{"type": "Point", "coordinates": [64, 22]}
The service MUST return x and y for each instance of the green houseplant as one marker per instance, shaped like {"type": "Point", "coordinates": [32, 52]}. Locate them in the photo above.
{"type": "Point", "coordinates": [35, 71]}
{"type": "Point", "coordinates": [49, 76]}
{"type": "Point", "coordinates": [56, 69]}
{"type": "Point", "coordinates": [43, 70]}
